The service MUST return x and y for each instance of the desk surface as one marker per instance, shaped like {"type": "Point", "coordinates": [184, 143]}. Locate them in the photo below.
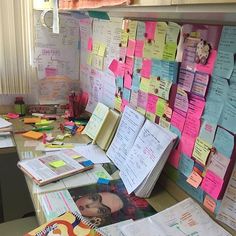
{"type": "Point", "coordinates": [160, 199]}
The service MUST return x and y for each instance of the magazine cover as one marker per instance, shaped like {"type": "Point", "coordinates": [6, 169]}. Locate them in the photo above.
{"type": "Point", "coordinates": [107, 204]}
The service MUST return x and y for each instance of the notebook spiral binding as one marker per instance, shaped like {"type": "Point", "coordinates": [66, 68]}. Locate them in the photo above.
{"type": "Point", "coordinates": [87, 222]}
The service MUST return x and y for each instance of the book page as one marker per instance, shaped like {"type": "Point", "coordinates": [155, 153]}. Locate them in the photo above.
{"type": "Point", "coordinates": [147, 151]}
{"type": "Point", "coordinates": [128, 129]}
{"type": "Point", "coordinates": [96, 121]}
{"type": "Point", "coordinates": [184, 218]}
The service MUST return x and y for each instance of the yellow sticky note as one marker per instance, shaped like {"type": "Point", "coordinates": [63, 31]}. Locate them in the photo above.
{"type": "Point", "coordinates": [148, 49]}
{"type": "Point", "coordinates": [144, 85]}
{"type": "Point", "coordinates": [57, 164]}
{"type": "Point", "coordinates": [101, 174]}
{"type": "Point", "coordinates": [132, 29]}
{"type": "Point", "coordinates": [201, 150]}
{"type": "Point", "coordinates": [89, 59]}
{"type": "Point", "coordinates": [158, 51]}
{"type": "Point", "coordinates": [153, 85]}
{"type": "Point", "coordinates": [98, 62]}
{"type": "Point", "coordinates": [169, 51]}
{"type": "Point", "coordinates": [76, 156]}
{"type": "Point", "coordinates": [164, 123]}
{"type": "Point", "coordinates": [102, 50]}
{"type": "Point", "coordinates": [160, 107]}
{"type": "Point", "coordinates": [117, 103]}
{"type": "Point", "coordinates": [150, 116]}
{"type": "Point", "coordinates": [96, 46]}
{"type": "Point", "coordinates": [160, 32]}
{"type": "Point", "coordinates": [124, 38]}
{"type": "Point", "coordinates": [141, 110]}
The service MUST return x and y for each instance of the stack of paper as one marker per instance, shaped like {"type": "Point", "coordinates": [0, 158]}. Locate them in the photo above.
{"type": "Point", "coordinates": [184, 218]}
{"type": "Point", "coordinates": [5, 125]}
{"type": "Point", "coordinates": [140, 151]}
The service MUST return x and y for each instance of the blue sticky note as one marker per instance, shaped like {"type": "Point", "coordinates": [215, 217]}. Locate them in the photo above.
{"type": "Point", "coordinates": [224, 64]}
{"type": "Point", "coordinates": [218, 89]}
{"type": "Point", "coordinates": [156, 68]}
{"type": "Point", "coordinates": [126, 94]}
{"type": "Point", "coordinates": [119, 82]}
{"type": "Point", "coordinates": [138, 62]}
{"type": "Point", "coordinates": [87, 163]}
{"type": "Point", "coordinates": [200, 167]}
{"type": "Point", "coordinates": [228, 39]}
{"type": "Point", "coordinates": [103, 181]}
{"type": "Point", "coordinates": [228, 117]}
{"type": "Point", "coordinates": [169, 71]}
{"type": "Point", "coordinates": [196, 193]}
{"type": "Point", "coordinates": [140, 30]}
{"type": "Point", "coordinates": [218, 204]}
{"type": "Point", "coordinates": [136, 82]}
{"type": "Point", "coordinates": [207, 132]}
{"type": "Point", "coordinates": [185, 165]}
{"type": "Point", "coordinates": [212, 111]}
{"type": "Point", "coordinates": [224, 142]}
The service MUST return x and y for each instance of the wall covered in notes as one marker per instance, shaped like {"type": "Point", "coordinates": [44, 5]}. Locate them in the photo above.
{"type": "Point", "coordinates": [182, 77]}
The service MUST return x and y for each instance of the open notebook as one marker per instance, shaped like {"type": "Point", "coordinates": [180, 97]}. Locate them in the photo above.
{"type": "Point", "coordinates": [140, 149]}
{"type": "Point", "coordinates": [67, 224]}
{"type": "Point", "coordinates": [55, 166]}
{"type": "Point", "coordinates": [102, 125]}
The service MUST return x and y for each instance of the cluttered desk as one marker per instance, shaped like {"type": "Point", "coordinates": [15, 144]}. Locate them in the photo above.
{"type": "Point", "coordinates": [67, 169]}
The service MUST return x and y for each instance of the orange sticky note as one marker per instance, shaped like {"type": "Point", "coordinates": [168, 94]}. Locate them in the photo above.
{"type": "Point", "coordinates": [194, 179]}
{"type": "Point", "coordinates": [31, 120]}
{"type": "Point", "coordinates": [33, 135]}
{"type": "Point", "coordinates": [209, 203]}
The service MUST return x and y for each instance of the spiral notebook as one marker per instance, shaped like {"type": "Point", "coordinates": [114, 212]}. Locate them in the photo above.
{"type": "Point", "coordinates": [71, 224]}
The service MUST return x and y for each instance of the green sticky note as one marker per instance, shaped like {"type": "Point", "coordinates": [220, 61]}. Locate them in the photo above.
{"type": "Point", "coordinates": [99, 14]}
{"type": "Point", "coordinates": [76, 156]}
{"type": "Point", "coordinates": [101, 174]}
{"type": "Point", "coordinates": [57, 164]}
{"type": "Point", "coordinates": [160, 107]}
{"type": "Point", "coordinates": [169, 51]}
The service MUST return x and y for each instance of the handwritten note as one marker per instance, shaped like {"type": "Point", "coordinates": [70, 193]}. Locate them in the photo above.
{"type": "Point", "coordinates": [194, 179]}
{"type": "Point", "coordinates": [181, 100]}
{"type": "Point", "coordinates": [138, 51]}
{"type": "Point", "coordinates": [228, 39]}
{"type": "Point", "coordinates": [178, 121]}
{"type": "Point", "coordinates": [218, 164]}
{"type": "Point", "coordinates": [136, 82]}
{"type": "Point", "coordinates": [146, 68]}
{"type": "Point", "coordinates": [224, 64]}
{"type": "Point", "coordinates": [160, 107]}
{"type": "Point", "coordinates": [150, 29]}
{"type": "Point", "coordinates": [224, 142]}
{"type": "Point", "coordinates": [200, 84]}
{"type": "Point", "coordinates": [130, 48]}
{"type": "Point", "coordinates": [185, 79]}
{"type": "Point", "coordinates": [209, 203]}
{"type": "Point", "coordinates": [151, 103]}
{"type": "Point", "coordinates": [207, 131]}
{"type": "Point", "coordinates": [126, 94]}
{"type": "Point", "coordinates": [142, 99]}
{"type": "Point", "coordinates": [172, 32]}
{"type": "Point", "coordinates": [132, 29]}
{"type": "Point", "coordinates": [212, 184]}
{"type": "Point", "coordinates": [186, 165]}
{"type": "Point", "coordinates": [127, 81]}
{"type": "Point", "coordinates": [201, 150]}
{"type": "Point", "coordinates": [144, 85]}
{"type": "Point", "coordinates": [169, 51]}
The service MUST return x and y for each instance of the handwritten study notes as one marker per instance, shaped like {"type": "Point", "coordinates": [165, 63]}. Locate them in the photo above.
{"type": "Point", "coordinates": [227, 211]}
{"type": "Point", "coordinates": [147, 152]}
{"type": "Point", "coordinates": [130, 124]}
{"type": "Point", "coordinates": [184, 218]}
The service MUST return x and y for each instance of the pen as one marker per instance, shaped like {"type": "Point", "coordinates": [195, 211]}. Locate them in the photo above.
{"type": "Point", "coordinates": [43, 128]}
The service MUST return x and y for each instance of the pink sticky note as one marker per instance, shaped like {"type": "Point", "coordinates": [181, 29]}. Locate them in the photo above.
{"type": "Point", "coordinates": [12, 115]}
{"type": "Point", "coordinates": [114, 66]}
{"type": "Point", "coordinates": [212, 184]}
{"type": "Point", "coordinates": [146, 68]}
{"type": "Point", "coordinates": [124, 104]}
{"type": "Point", "coordinates": [127, 81]}
{"type": "Point", "coordinates": [194, 179]}
{"type": "Point", "coordinates": [208, 68]}
{"type": "Point", "coordinates": [174, 158]}
{"type": "Point", "coordinates": [142, 99]}
{"type": "Point", "coordinates": [196, 107]}
{"type": "Point", "coordinates": [121, 69]}
{"type": "Point", "coordinates": [130, 48]}
{"type": "Point", "coordinates": [50, 71]}
{"type": "Point", "coordinates": [151, 103]}
{"type": "Point", "coordinates": [187, 144]}
{"type": "Point", "coordinates": [191, 126]}
{"type": "Point", "coordinates": [138, 52]}
{"type": "Point", "coordinates": [150, 27]}
{"type": "Point", "coordinates": [178, 121]}
{"type": "Point", "coordinates": [90, 44]}
{"type": "Point", "coordinates": [209, 203]}
{"type": "Point", "coordinates": [129, 64]}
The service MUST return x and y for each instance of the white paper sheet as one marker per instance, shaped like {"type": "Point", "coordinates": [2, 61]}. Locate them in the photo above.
{"type": "Point", "coordinates": [4, 123]}
{"type": "Point", "coordinates": [6, 140]}
{"type": "Point", "coordinates": [130, 124]}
